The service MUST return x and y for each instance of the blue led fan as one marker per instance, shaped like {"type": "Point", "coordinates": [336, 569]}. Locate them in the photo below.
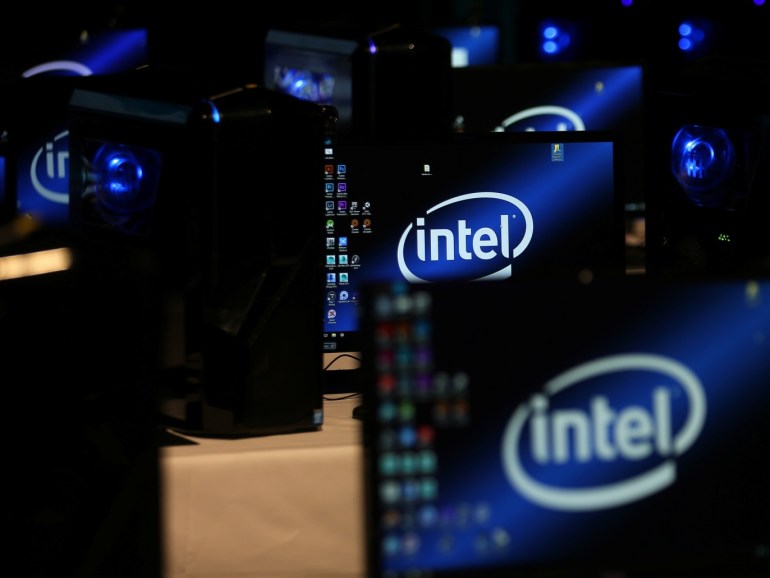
{"type": "Point", "coordinates": [123, 185]}
{"type": "Point", "coordinates": [702, 159]}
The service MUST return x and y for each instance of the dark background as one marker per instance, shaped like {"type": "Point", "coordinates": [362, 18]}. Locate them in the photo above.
{"type": "Point", "coordinates": [226, 37]}
{"type": "Point", "coordinates": [56, 497]}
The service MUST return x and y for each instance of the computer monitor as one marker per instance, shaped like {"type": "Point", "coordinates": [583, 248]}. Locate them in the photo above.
{"type": "Point", "coordinates": [561, 430]}
{"type": "Point", "coordinates": [568, 96]}
{"type": "Point", "coordinates": [472, 45]}
{"type": "Point", "coordinates": [491, 206]}
{"type": "Point", "coordinates": [37, 123]}
{"type": "Point", "coordinates": [103, 52]}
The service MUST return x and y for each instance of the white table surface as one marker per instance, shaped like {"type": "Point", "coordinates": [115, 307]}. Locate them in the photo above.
{"type": "Point", "coordinates": [280, 506]}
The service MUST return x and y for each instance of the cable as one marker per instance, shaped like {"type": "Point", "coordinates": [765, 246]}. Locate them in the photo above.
{"type": "Point", "coordinates": [341, 356]}
{"type": "Point", "coordinates": [340, 398]}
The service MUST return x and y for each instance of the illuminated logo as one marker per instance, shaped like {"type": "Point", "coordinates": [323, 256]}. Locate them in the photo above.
{"type": "Point", "coordinates": [605, 433]}
{"type": "Point", "coordinates": [470, 237]}
{"type": "Point", "coordinates": [547, 118]}
{"type": "Point", "coordinates": [64, 66]}
{"type": "Point", "coordinates": [49, 169]}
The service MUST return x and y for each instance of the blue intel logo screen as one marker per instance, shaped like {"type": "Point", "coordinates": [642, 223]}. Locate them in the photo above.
{"type": "Point", "coordinates": [605, 428]}
{"type": "Point", "coordinates": [491, 207]}
{"type": "Point", "coordinates": [567, 96]}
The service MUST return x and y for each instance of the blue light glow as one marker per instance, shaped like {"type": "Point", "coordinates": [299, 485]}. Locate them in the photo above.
{"type": "Point", "coordinates": [106, 52]}
{"type": "Point", "coordinates": [122, 176]}
{"type": "Point", "coordinates": [123, 185]}
{"type": "Point", "coordinates": [693, 35]}
{"type": "Point", "coordinates": [215, 116]}
{"type": "Point", "coordinates": [2, 179]}
{"type": "Point", "coordinates": [305, 84]}
{"type": "Point", "coordinates": [555, 38]}
{"type": "Point", "coordinates": [550, 47]}
{"type": "Point", "coordinates": [702, 158]}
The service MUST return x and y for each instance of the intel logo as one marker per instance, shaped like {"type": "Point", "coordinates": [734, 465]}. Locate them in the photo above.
{"type": "Point", "coordinates": [49, 169]}
{"type": "Point", "coordinates": [546, 118]}
{"type": "Point", "coordinates": [605, 433]}
{"type": "Point", "coordinates": [64, 67]}
{"type": "Point", "coordinates": [469, 238]}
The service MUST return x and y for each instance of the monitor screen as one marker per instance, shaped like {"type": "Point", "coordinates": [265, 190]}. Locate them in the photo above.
{"type": "Point", "coordinates": [472, 45]}
{"type": "Point", "coordinates": [434, 208]}
{"type": "Point", "coordinates": [561, 430]}
{"type": "Point", "coordinates": [5, 209]}
{"type": "Point", "coordinates": [104, 52]}
{"type": "Point", "coordinates": [572, 96]}
{"type": "Point", "coordinates": [39, 128]}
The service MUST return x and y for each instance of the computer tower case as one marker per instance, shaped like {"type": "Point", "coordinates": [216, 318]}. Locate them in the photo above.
{"type": "Point", "coordinates": [218, 181]}
{"type": "Point", "coordinates": [709, 156]}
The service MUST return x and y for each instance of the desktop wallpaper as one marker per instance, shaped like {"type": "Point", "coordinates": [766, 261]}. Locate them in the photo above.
{"type": "Point", "coordinates": [604, 426]}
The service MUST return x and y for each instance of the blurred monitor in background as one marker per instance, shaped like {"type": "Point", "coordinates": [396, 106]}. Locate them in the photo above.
{"type": "Point", "coordinates": [472, 45]}
{"type": "Point", "coordinates": [35, 124]}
